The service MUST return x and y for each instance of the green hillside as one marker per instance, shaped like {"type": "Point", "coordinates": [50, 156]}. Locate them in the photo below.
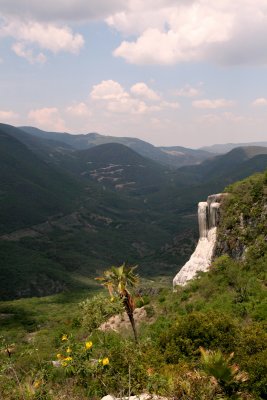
{"type": "Point", "coordinates": [30, 189]}
{"type": "Point", "coordinates": [206, 341]}
{"type": "Point", "coordinates": [226, 168]}
{"type": "Point", "coordinates": [48, 150]}
{"type": "Point", "coordinates": [74, 222]}
{"type": "Point", "coordinates": [118, 167]}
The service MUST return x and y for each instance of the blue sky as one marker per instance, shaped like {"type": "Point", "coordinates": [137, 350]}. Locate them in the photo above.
{"type": "Point", "coordinates": [171, 72]}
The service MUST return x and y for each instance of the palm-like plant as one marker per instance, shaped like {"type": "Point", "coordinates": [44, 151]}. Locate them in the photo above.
{"type": "Point", "coordinates": [119, 281]}
{"type": "Point", "coordinates": [219, 366]}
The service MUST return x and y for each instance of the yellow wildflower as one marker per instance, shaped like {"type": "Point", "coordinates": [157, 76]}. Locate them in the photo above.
{"type": "Point", "coordinates": [88, 345]}
{"type": "Point", "coordinates": [68, 350]}
{"type": "Point", "coordinates": [59, 355]}
{"type": "Point", "coordinates": [64, 338]}
{"type": "Point", "coordinates": [105, 361]}
{"type": "Point", "coordinates": [37, 384]}
{"type": "Point", "coordinates": [68, 358]}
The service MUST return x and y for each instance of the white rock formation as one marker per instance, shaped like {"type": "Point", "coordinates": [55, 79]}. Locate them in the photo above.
{"type": "Point", "coordinates": [201, 259]}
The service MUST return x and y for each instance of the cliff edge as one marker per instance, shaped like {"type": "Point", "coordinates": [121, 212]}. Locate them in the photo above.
{"type": "Point", "coordinates": [200, 260]}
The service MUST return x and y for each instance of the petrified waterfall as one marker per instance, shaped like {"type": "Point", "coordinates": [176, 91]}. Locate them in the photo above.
{"type": "Point", "coordinates": [200, 260]}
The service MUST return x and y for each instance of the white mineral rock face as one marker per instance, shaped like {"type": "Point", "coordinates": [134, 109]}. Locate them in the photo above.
{"type": "Point", "coordinates": [201, 259]}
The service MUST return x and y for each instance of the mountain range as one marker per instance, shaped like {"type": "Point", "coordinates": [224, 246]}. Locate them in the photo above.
{"type": "Point", "coordinates": [67, 201]}
{"type": "Point", "coordinates": [226, 147]}
{"type": "Point", "coordinates": [171, 157]}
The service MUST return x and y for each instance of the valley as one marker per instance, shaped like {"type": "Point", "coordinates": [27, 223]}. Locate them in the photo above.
{"type": "Point", "coordinates": [64, 210]}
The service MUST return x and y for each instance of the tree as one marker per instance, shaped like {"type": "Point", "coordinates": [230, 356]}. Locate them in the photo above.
{"type": "Point", "coordinates": [118, 280]}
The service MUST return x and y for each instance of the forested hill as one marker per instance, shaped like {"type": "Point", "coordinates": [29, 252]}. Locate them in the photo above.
{"type": "Point", "coordinates": [243, 227]}
{"type": "Point", "coordinates": [30, 189]}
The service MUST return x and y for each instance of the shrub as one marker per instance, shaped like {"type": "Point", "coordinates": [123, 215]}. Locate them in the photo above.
{"type": "Point", "coordinates": [98, 309]}
{"type": "Point", "coordinates": [188, 333]}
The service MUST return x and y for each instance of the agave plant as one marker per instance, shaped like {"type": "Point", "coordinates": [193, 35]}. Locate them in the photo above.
{"type": "Point", "coordinates": [119, 281]}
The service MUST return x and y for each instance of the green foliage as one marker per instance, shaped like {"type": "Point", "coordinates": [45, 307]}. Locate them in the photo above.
{"type": "Point", "coordinates": [78, 359]}
{"type": "Point", "coordinates": [20, 265]}
{"type": "Point", "coordinates": [98, 309]}
{"type": "Point", "coordinates": [119, 281]}
{"type": "Point", "coordinates": [243, 220]}
{"type": "Point", "coordinates": [188, 333]}
{"type": "Point", "coordinates": [217, 365]}
{"type": "Point", "coordinates": [30, 189]}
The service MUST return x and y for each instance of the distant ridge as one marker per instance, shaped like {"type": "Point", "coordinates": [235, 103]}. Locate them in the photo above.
{"type": "Point", "coordinates": [236, 164]}
{"type": "Point", "coordinates": [173, 157]}
{"type": "Point", "coordinates": [225, 148]}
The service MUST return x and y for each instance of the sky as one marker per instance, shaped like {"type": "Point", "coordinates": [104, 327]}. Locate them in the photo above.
{"type": "Point", "coordinates": [171, 72]}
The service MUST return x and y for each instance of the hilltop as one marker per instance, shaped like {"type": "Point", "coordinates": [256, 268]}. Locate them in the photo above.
{"type": "Point", "coordinates": [237, 164]}
{"type": "Point", "coordinates": [225, 148]}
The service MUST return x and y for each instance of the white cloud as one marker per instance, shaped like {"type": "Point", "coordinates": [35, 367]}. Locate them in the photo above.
{"type": "Point", "coordinates": [139, 16]}
{"type": "Point", "coordinates": [139, 100]}
{"type": "Point", "coordinates": [161, 31]}
{"type": "Point", "coordinates": [261, 101]}
{"type": "Point", "coordinates": [47, 118]}
{"type": "Point", "coordinates": [8, 116]}
{"type": "Point", "coordinates": [140, 89]}
{"type": "Point", "coordinates": [116, 99]}
{"type": "Point", "coordinates": [46, 36]}
{"type": "Point", "coordinates": [79, 110]}
{"type": "Point", "coordinates": [188, 91]}
{"type": "Point", "coordinates": [108, 90]}
{"type": "Point", "coordinates": [127, 106]}
{"type": "Point", "coordinates": [213, 104]}
{"type": "Point", "coordinates": [189, 28]}
{"type": "Point", "coordinates": [21, 51]}
{"type": "Point", "coordinates": [223, 32]}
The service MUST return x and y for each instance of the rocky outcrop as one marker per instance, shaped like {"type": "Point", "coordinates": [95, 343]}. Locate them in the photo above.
{"type": "Point", "coordinates": [208, 218]}
{"type": "Point", "coordinates": [144, 396]}
{"type": "Point", "coordinates": [121, 321]}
